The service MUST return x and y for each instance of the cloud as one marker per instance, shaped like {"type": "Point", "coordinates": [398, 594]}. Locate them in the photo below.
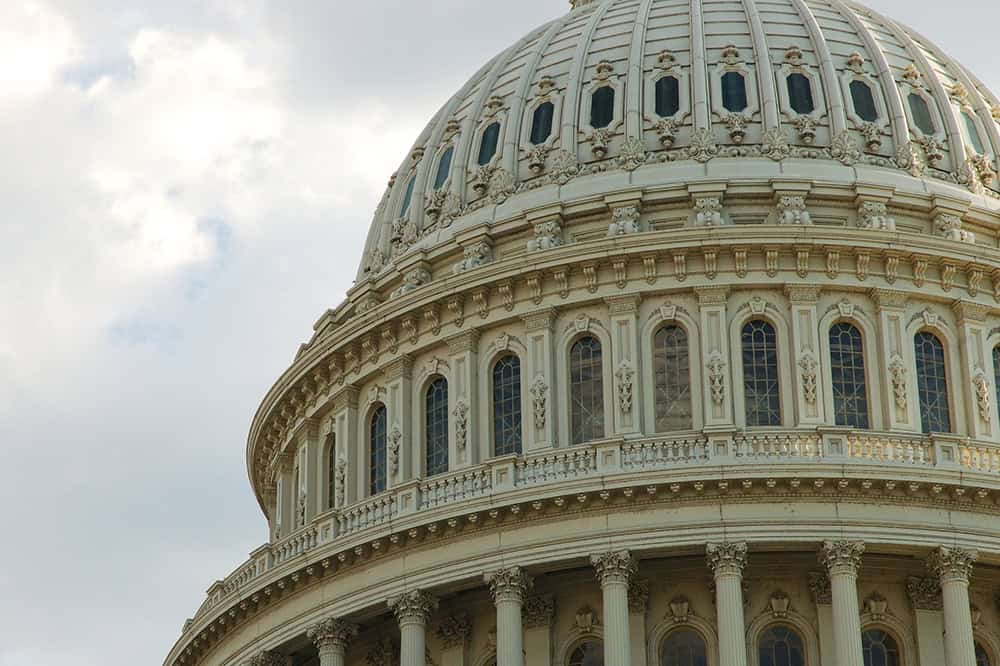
{"type": "Point", "coordinates": [35, 44]}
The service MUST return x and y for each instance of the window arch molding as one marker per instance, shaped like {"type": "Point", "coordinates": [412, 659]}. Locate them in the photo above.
{"type": "Point", "coordinates": [667, 66]}
{"type": "Point", "coordinates": [895, 628]}
{"type": "Point", "coordinates": [929, 321]}
{"type": "Point", "coordinates": [435, 167]}
{"type": "Point", "coordinates": [795, 621]}
{"type": "Point", "coordinates": [750, 310]}
{"type": "Point", "coordinates": [490, 116]}
{"type": "Point", "coordinates": [733, 60]}
{"type": "Point", "coordinates": [328, 469]}
{"type": "Point", "coordinates": [574, 638]}
{"type": "Point", "coordinates": [504, 345]}
{"type": "Point", "coordinates": [913, 85]}
{"type": "Point", "coordinates": [659, 633]}
{"type": "Point", "coordinates": [671, 315]}
{"type": "Point", "coordinates": [546, 90]}
{"type": "Point", "coordinates": [603, 77]}
{"type": "Point", "coordinates": [856, 70]}
{"type": "Point", "coordinates": [874, 370]}
{"type": "Point", "coordinates": [581, 327]}
{"type": "Point", "coordinates": [795, 62]}
{"type": "Point", "coordinates": [992, 343]}
{"type": "Point", "coordinates": [989, 641]}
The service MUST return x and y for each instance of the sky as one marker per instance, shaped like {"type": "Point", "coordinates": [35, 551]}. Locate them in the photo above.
{"type": "Point", "coordinates": [185, 186]}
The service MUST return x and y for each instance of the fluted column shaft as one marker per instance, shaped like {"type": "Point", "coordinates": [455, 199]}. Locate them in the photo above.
{"type": "Point", "coordinates": [727, 561]}
{"type": "Point", "coordinates": [509, 588]}
{"type": "Point", "coordinates": [954, 568]}
{"type": "Point", "coordinates": [413, 611]}
{"type": "Point", "coordinates": [842, 559]}
{"type": "Point", "coordinates": [615, 571]}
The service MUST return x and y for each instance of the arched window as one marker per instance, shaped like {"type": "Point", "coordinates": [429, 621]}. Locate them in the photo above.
{"type": "Point", "coordinates": [684, 647]}
{"type": "Point", "coordinates": [602, 107]}
{"type": "Point", "coordinates": [488, 144]}
{"type": "Point", "coordinates": [437, 427]}
{"type": "Point", "coordinates": [847, 368]}
{"type": "Point", "coordinates": [781, 645]}
{"type": "Point", "coordinates": [734, 92]}
{"type": "Point", "coordinates": [444, 168]}
{"type": "Point", "coordinates": [507, 406]}
{"type": "Point", "coordinates": [879, 648]}
{"type": "Point", "coordinates": [760, 374]}
{"type": "Point", "coordinates": [996, 373]}
{"type": "Point", "coordinates": [672, 379]}
{"type": "Point", "coordinates": [668, 96]}
{"type": "Point", "coordinates": [932, 383]}
{"type": "Point", "coordinates": [800, 94]}
{"type": "Point", "coordinates": [972, 133]}
{"type": "Point", "coordinates": [378, 470]}
{"type": "Point", "coordinates": [586, 386]}
{"type": "Point", "coordinates": [921, 113]}
{"type": "Point", "coordinates": [588, 653]}
{"type": "Point", "coordinates": [864, 101]}
{"type": "Point", "coordinates": [541, 123]}
{"type": "Point", "coordinates": [982, 656]}
{"type": "Point", "coordinates": [408, 197]}
{"type": "Point", "coordinates": [331, 471]}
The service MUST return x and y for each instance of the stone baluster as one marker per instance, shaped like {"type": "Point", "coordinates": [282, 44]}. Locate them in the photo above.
{"type": "Point", "coordinates": [413, 611]}
{"type": "Point", "coordinates": [331, 637]}
{"type": "Point", "coordinates": [842, 559]}
{"type": "Point", "coordinates": [727, 561]}
{"type": "Point", "coordinates": [954, 568]}
{"type": "Point", "coordinates": [615, 570]}
{"type": "Point", "coordinates": [509, 587]}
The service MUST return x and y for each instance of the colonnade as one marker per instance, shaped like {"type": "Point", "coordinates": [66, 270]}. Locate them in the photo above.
{"type": "Point", "coordinates": [615, 571]}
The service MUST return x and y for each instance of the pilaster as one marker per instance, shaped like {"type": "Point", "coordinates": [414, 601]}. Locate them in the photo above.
{"type": "Point", "coordinates": [718, 386]}
{"type": "Point", "coordinates": [403, 450]}
{"type": "Point", "coordinates": [623, 312]}
{"type": "Point", "coordinates": [819, 587]}
{"type": "Point", "coordinates": [977, 371]}
{"type": "Point", "coordinates": [463, 403]}
{"type": "Point", "coordinates": [928, 615]}
{"type": "Point", "coordinates": [638, 601]}
{"type": "Point", "coordinates": [538, 380]}
{"type": "Point", "coordinates": [350, 449]}
{"type": "Point", "coordinates": [896, 354]}
{"type": "Point", "coordinates": [538, 614]}
{"type": "Point", "coordinates": [809, 398]}
{"type": "Point", "coordinates": [454, 632]}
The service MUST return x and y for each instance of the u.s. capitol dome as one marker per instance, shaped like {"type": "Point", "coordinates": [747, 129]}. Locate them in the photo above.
{"type": "Point", "coordinates": [675, 342]}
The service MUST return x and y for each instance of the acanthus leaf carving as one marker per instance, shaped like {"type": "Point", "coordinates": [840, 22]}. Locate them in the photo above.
{"type": "Point", "coordinates": [809, 369]}
{"type": "Point", "coordinates": [983, 395]}
{"type": "Point", "coordinates": [539, 397]}
{"type": "Point", "coordinates": [897, 375]}
{"type": "Point", "coordinates": [461, 424]}
{"type": "Point", "coordinates": [625, 375]}
{"type": "Point", "coordinates": [624, 220]}
{"type": "Point", "coordinates": [395, 439]}
{"type": "Point", "coordinates": [717, 378]}
{"type": "Point", "coordinates": [708, 211]}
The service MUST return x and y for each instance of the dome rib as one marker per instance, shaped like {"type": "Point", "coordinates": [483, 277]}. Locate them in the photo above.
{"type": "Point", "coordinates": [634, 82]}
{"type": "Point", "coordinates": [568, 136]}
{"type": "Point", "coordinates": [699, 69]}
{"type": "Point", "coordinates": [837, 112]}
{"type": "Point", "coordinates": [762, 63]}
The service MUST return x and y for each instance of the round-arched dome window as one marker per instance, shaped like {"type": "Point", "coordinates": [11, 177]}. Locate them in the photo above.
{"type": "Point", "coordinates": [587, 653]}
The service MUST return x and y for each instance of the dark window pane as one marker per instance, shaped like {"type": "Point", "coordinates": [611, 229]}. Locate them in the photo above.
{"type": "Point", "coordinates": [972, 134]}
{"type": "Point", "coordinates": [734, 92]}
{"type": "Point", "coordinates": [760, 374]}
{"type": "Point", "coordinates": [437, 427]}
{"type": "Point", "coordinates": [331, 471]}
{"type": "Point", "coordinates": [507, 406]}
{"type": "Point", "coordinates": [879, 648]}
{"type": "Point", "coordinates": [672, 379]}
{"type": "Point", "coordinates": [932, 383]}
{"type": "Point", "coordinates": [378, 462]}
{"type": "Point", "coordinates": [781, 646]}
{"type": "Point", "coordinates": [586, 390]}
{"type": "Point", "coordinates": [602, 107]}
{"type": "Point", "coordinates": [864, 101]}
{"type": "Point", "coordinates": [921, 113]}
{"type": "Point", "coordinates": [541, 124]}
{"type": "Point", "coordinates": [488, 146]}
{"type": "Point", "coordinates": [668, 96]}
{"type": "Point", "coordinates": [684, 647]}
{"type": "Point", "coordinates": [444, 168]}
{"type": "Point", "coordinates": [408, 197]}
{"type": "Point", "coordinates": [590, 653]}
{"type": "Point", "coordinates": [847, 367]}
{"type": "Point", "coordinates": [982, 656]}
{"type": "Point", "coordinates": [800, 94]}
{"type": "Point", "coordinates": [996, 373]}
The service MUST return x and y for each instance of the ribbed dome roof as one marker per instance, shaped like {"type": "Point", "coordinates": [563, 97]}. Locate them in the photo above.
{"type": "Point", "coordinates": [879, 95]}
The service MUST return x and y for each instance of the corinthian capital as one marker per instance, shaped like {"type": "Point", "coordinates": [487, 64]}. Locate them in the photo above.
{"type": "Point", "coordinates": [510, 584]}
{"type": "Point", "coordinates": [841, 557]}
{"type": "Point", "coordinates": [727, 558]}
{"type": "Point", "coordinates": [332, 633]}
{"type": "Point", "coordinates": [951, 564]}
{"type": "Point", "coordinates": [413, 607]}
{"type": "Point", "coordinates": [616, 567]}
{"type": "Point", "coordinates": [267, 658]}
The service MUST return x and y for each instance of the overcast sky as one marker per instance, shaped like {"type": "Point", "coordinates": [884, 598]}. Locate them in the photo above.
{"type": "Point", "coordinates": [184, 189]}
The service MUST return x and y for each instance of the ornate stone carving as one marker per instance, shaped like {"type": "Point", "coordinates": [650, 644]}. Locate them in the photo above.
{"type": "Point", "coordinates": [383, 653]}
{"type": "Point", "coordinates": [600, 139]}
{"type": "Point", "coordinates": [703, 146]}
{"type": "Point", "coordinates": [625, 375]}
{"type": "Point", "coordinates": [841, 556]}
{"type": "Point", "coordinates": [875, 215]}
{"type": "Point", "coordinates": [624, 220]}
{"type": "Point", "coordinates": [476, 255]}
{"type": "Point", "coordinates": [984, 401]}
{"type": "Point", "coordinates": [461, 424]}
{"type": "Point", "coordinates": [727, 558]}
{"type": "Point", "coordinates": [819, 587]}
{"type": "Point", "coordinates": [873, 136]}
{"type": "Point", "coordinates": [717, 378]}
{"type": "Point", "coordinates": [632, 154]}
{"type": "Point", "coordinates": [737, 125]}
{"type": "Point", "coordinates": [638, 596]}
{"type": "Point", "coordinates": [897, 374]}
{"type": "Point", "coordinates": [844, 150]}
{"type": "Point", "coordinates": [404, 235]}
{"type": "Point", "coordinates": [808, 366]}
{"type": "Point", "coordinates": [341, 480]}
{"type": "Point", "coordinates": [779, 604]}
{"type": "Point", "coordinates": [539, 610]}
{"type": "Point", "coordinates": [792, 210]}
{"type": "Point", "coordinates": [442, 207]}
{"type": "Point", "coordinates": [511, 584]}
{"type": "Point", "coordinates": [413, 607]}
{"type": "Point", "coordinates": [877, 606]}
{"type": "Point", "coordinates": [666, 131]}
{"type": "Point", "coordinates": [806, 126]}
{"type": "Point", "coordinates": [454, 631]}
{"type": "Point", "coordinates": [548, 235]}
{"type": "Point", "coordinates": [587, 619]}
{"type": "Point", "coordinates": [679, 610]}
{"type": "Point", "coordinates": [539, 398]}
{"type": "Point", "coordinates": [267, 658]}
{"type": "Point", "coordinates": [708, 211]}
{"type": "Point", "coordinates": [952, 563]}
{"type": "Point", "coordinates": [332, 634]}
{"type": "Point", "coordinates": [910, 159]}
{"type": "Point", "coordinates": [563, 166]}
{"type": "Point", "coordinates": [950, 227]}
{"type": "Point", "coordinates": [412, 281]}
{"type": "Point", "coordinates": [924, 593]}
{"type": "Point", "coordinates": [775, 144]}
{"type": "Point", "coordinates": [614, 567]}
{"type": "Point", "coordinates": [395, 437]}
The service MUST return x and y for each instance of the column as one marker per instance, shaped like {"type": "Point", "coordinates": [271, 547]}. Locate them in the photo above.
{"type": "Point", "coordinates": [509, 587]}
{"type": "Point", "coordinates": [331, 637]}
{"type": "Point", "coordinates": [896, 349]}
{"type": "Point", "coordinates": [614, 571]}
{"type": "Point", "coordinates": [624, 314]}
{"type": "Point", "coordinates": [953, 566]}
{"type": "Point", "coordinates": [538, 374]}
{"type": "Point", "coordinates": [842, 559]}
{"type": "Point", "coordinates": [805, 342]}
{"type": "Point", "coordinates": [977, 370]}
{"type": "Point", "coordinates": [925, 597]}
{"type": "Point", "coordinates": [727, 561]}
{"type": "Point", "coordinates": [413, 610]}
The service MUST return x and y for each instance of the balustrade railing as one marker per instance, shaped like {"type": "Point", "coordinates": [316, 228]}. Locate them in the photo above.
{"type": "Point", "coordinates": [779, 445]}
{"type": "Point", "coordinates": [561, 466]}
{"type": "Point", "coordinates": [454, 488]}
{"type": "Point", "coordinates": [662, 453]}
{"type": "Point", "coordinates": [883, 448]}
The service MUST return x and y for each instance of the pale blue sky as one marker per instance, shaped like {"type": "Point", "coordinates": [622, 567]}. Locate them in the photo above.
{"type": "Point", "coordinates": [184, 189]}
